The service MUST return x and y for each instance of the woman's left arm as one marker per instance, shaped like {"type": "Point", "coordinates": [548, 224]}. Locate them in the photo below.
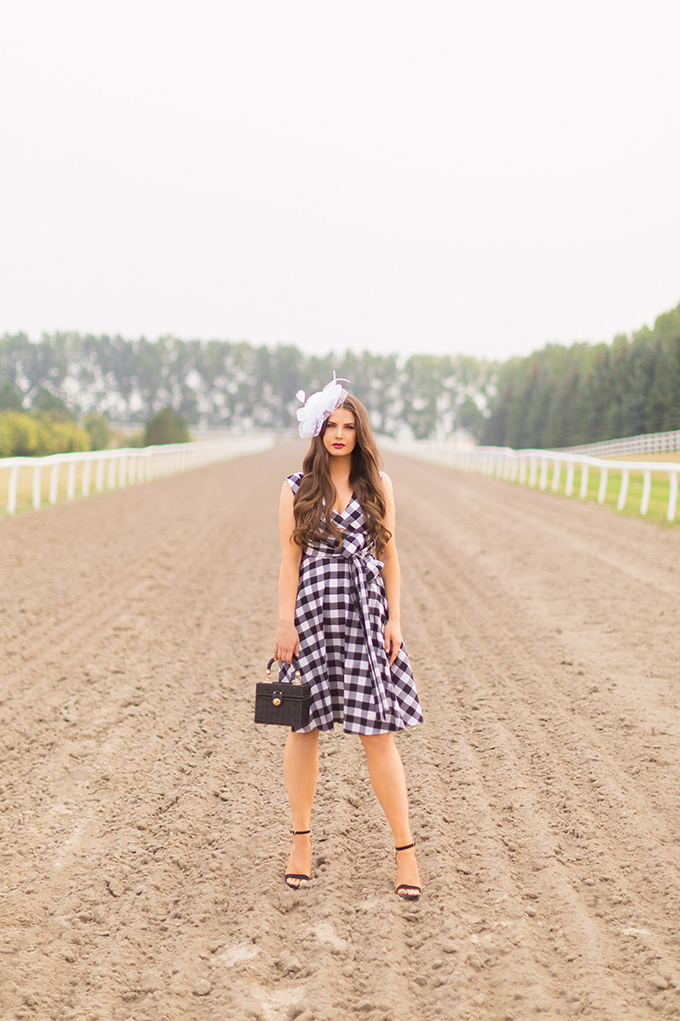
{"type": "Point", "coordinates": [392, 578]}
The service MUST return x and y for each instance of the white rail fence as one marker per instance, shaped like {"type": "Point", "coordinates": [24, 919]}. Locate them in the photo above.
{"type": "Point", "coordinates": [112, 469]}
{"type": "Point", "coordinates": [534, 467]}
{"type": "Point", "coordinates": [647, 443]}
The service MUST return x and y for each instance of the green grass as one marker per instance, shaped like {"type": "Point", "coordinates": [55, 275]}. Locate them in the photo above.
{"type": "Point", "coordinates": [658, 501]}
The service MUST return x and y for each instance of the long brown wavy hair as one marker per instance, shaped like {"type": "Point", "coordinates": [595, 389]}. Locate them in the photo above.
{"type": "Point", "coordinates": [317, 490]}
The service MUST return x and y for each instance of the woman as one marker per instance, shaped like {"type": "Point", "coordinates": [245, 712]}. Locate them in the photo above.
{"type": "Point", "coordinates": [339, 590]}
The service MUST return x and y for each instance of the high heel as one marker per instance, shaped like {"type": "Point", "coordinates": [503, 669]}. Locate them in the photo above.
{"type": "Point", "coordinates": [407, 886]}
{"type": "Point", "coordinates": [296, 875]}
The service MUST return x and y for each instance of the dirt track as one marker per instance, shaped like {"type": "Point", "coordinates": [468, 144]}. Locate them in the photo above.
{"type": "Point", "coordinates": [144, 827]}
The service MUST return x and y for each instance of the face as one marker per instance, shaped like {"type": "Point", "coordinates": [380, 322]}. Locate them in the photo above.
{"type": "Point", "coordinates": [339, 434]}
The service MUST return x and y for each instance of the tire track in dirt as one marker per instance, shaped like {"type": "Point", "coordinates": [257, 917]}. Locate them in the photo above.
{"type": "Point", "coordinates": [144, 826]}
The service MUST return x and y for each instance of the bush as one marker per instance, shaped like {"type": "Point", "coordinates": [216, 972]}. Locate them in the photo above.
{"type": "Point", "coordinates": [98, 429]}
{"type": "Point", "coordinates": [24, 435]}
{"type": "Point", "coordinates": [166, 427]}
{"type": "Point", "coordinates": [19, 435]}
{"type": "Point", "coordinates": [61, 437]}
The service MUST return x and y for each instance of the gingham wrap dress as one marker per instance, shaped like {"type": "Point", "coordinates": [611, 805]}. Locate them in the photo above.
{"type": "Point", "coordinates": [340, 617]}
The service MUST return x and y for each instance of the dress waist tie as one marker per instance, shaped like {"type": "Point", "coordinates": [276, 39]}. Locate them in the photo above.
{"type": "Point", "coordinates": [365, 569]}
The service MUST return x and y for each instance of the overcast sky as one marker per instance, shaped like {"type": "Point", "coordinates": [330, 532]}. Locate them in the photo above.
{"type": "Point", "coordinates": [475, 176]}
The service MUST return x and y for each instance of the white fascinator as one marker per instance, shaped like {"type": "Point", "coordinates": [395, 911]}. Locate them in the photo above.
{"type": "Point", "coordinates": [318, 406]}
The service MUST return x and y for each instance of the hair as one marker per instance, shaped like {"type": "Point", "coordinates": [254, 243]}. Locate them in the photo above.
{"type": "Point", "coordinates": [317, 489]}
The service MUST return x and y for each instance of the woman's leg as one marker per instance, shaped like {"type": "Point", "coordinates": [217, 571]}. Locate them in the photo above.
{"type": "Point", "coordinates": [301, 770]}
{"type": "Point", "coordinates": [389, 783]}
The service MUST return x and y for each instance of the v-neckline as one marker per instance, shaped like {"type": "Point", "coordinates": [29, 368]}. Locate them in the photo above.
{"type": "Point", "coordinates": [341, 514]}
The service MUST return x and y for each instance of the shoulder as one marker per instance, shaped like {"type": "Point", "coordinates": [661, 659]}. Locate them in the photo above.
{"type": "Point", "coordinates": [294, 481]}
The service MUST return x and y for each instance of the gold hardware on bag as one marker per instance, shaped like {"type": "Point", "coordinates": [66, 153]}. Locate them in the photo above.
{"type": "Point", "coordinates": [276, 701]}
{"type": "Point", "coordinates": [298, 680]}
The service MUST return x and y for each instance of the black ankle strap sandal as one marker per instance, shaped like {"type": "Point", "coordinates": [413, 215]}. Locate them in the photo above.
{"type": "Point", "coordinates": [407, 886]}
{"type": "Point", "coordinates": [297, 875]}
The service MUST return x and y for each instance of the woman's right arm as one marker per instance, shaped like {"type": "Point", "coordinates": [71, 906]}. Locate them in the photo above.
{"type": "Point", "coordinates": [286, 642]}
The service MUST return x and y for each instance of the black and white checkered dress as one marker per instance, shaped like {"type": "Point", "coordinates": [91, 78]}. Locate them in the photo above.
{"type": "Point", "coordinates": [340, 618]}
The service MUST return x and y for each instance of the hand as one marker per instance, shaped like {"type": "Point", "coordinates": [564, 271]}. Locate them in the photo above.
{"type": "Point", "coordinates": [286, 642]}
{"type": "Point", "coordinates": [393, 640]}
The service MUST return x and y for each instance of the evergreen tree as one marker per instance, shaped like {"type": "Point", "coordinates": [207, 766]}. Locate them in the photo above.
{"type": "Point", "coordinates": [10, 398]}
{"type": "Point", "coordinates": [567, 396]}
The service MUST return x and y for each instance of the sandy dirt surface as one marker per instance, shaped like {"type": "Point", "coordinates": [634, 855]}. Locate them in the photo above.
{"type": "Point", "coordinates": [144, 820]}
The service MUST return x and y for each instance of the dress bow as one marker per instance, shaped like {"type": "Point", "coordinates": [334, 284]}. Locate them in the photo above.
{"type": "Point", "coordinates": [365, 570]}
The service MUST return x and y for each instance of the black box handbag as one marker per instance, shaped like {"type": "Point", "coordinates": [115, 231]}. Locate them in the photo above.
{"type": "Point", "coordinates": [285, 704]}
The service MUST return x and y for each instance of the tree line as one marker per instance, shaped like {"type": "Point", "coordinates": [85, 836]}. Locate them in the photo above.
{"type": "Point", "coordinates": [558, 396]}
{"type": "Point", "coordinates": [240, 385]}
{"type": "Point", "coordinates": [565, 396]}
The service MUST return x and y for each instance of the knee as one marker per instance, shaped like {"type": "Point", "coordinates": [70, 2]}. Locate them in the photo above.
{"type": "Point", "coordinates": [377, 744]}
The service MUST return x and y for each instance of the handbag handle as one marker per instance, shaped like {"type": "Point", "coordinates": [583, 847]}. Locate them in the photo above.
{"type": "Point", "coordinates": [298, 675]}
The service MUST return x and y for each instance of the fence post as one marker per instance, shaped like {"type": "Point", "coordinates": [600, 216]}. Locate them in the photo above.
{"type": "Point", "coordinates": [556, 476]}
{"type": "Point", "coordinates": [544, 473]}
{"type": "Point", "coordinates": [646, 491]}
{"type": "Point", "coordinates": [583, 492]}
{"type": "Point", "coordinates": [112, 472]}
{"type": "Point", "coordinates": [54, 482]}
{"type": "Point", "coordinates": [672, 496]}
{"type": "Point", "coordinates": [71, 481]}
{"type": "Point", "coordinates": [569, 487]}
{"type": "Point", "coordinates": [623, 492]}
{"type": "Point", "coordinates": [99, 480]}
{"type": "Point", "coordinates": [533, 469]}
{"type": "Point", "coordinates": [37, 486]}
{"type": "Point", "coordinates": [87, 470]}
{"type": "Point", "coordinates": [602, 491]}
{"type": "Point", "coordinates": [12, 491]}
